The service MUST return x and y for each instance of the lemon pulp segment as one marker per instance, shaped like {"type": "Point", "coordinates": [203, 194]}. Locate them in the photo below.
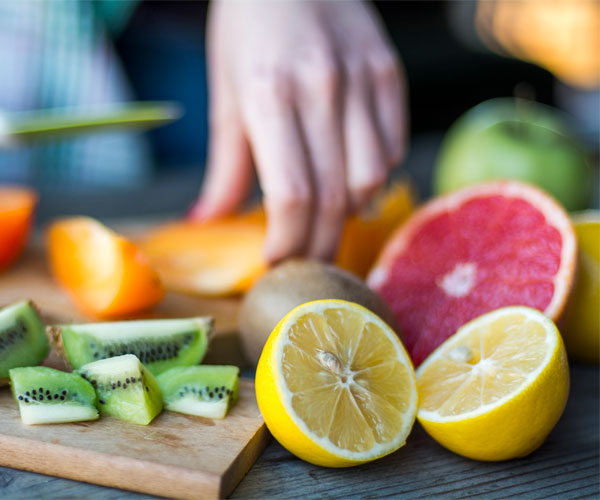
{"type": "Point", "coordinates": [347, 379]}
{"type": "Point", "coordinates": [476, 372]}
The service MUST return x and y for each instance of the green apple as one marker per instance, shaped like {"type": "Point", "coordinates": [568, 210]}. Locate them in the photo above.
{"type": "Point", "coordinates": [510, 138]}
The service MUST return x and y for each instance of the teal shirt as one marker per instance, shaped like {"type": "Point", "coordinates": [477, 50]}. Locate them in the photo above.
{"type": "Point", "coordinates": [58, 53]}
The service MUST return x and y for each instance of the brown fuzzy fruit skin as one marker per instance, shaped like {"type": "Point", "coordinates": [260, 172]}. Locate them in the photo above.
{"type": "Point", "coordinates": [291, 284]}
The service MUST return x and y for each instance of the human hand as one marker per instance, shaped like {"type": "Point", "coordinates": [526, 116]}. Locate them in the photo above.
{"type": "Point", "coordinates": [313, 92]}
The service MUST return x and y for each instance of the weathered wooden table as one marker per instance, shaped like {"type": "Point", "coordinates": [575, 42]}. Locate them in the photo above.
{"type": "Point", "coordinates": [566, 467]}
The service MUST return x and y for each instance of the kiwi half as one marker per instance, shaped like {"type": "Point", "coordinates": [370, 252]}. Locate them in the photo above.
{"type": "Point", "coordinates": [125, 387]}
{"type": "Point", "coordinates": [22, 339]}
{"type": "Point", "coordinates": [159, 344]}
{"type": "Point", "coordinates": [49, 396]}
{"type": "Point", "coordinates": [205, 391]}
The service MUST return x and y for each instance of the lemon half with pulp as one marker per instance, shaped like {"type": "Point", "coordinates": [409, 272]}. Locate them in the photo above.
{"type": "Point", "coordinates": [496, 388]}
{"type": "Point", "coordinates": [335, 385]}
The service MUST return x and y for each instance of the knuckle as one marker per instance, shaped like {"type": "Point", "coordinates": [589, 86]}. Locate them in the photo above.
{"type": "Point", "coordinates": [356, 69]}
{"type": "Point", "coordinates": [385, 68]}
{"type": "Point", "coordinates": [292, 200]}
{"type": "Point", "coordinates": [325, 76]}
{"type": "Point", "coordinates": [332, 203]}
{"type": "Point", "coordinates": [268, 83]}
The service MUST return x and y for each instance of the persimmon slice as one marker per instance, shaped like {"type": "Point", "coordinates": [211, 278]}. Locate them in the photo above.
{"type": "Point", "coordinates": [106, 274]}
{"type": "Point", "coordinates": [209, 258]}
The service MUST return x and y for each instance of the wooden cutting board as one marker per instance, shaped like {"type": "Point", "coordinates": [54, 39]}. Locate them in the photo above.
{"type": "Point", "coordinates": [176, 455]}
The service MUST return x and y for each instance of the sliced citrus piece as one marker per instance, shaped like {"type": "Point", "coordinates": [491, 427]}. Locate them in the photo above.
{"type": "Point", "coordinates": [16, 209]}
{"type": "Point", "coordinates": [496, 388]}
{"type": "Point", "coordinates": [210, 258]}
{"type": "Point", "coordinates": [335, 385]}
{"type": "Point", "coordinates": [105, 273]}
{"type": "Point", "coordinates": [581, 328]}
{"type": "Point", "coordinates": [473, 251]}
{"type": "Point", "coordinates": [366, 232]}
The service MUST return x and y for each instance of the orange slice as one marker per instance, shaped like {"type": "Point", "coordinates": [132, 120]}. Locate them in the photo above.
{"type": "Point", "coordinates": [16, 210]}
{"type": "Point", "coordinates": [105, 273]}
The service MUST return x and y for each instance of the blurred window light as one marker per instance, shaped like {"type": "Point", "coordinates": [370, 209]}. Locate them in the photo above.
{"type": "Point", "coordinates": [562, 36]}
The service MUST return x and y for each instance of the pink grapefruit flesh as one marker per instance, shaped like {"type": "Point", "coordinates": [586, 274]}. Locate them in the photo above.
{"type": "Point", "coordinates": [473, 251]}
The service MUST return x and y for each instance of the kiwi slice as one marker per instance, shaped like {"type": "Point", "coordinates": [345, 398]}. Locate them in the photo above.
{"type": "Point", "coordinates": [126, 389]}
{"type": "Point", "coordinates": [49, 396]}
{"type": "Point", "coordinates": [22, 339]}
{"type": "Point", "coordinates": [206, 391]}
{"type": "Point", "coordinates": [159, 344]}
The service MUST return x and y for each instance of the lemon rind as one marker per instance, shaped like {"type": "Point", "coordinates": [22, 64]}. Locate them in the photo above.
{"type": "Point", "coordinates": [285, 395]}
{"type": "Point", "coordinates": [530, 313]}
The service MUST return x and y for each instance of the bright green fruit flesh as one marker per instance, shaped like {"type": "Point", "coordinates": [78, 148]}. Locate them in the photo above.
{"type": "Point", "coordinates": [22, 339]}
{"type": "Point", "coordinates": [126, 388]}
{"type": "Point", "coordinates": [205, 391]}
{"type": "Point", "coordinates": [159, 344]}
{"type": "Point", "coordinates": [48, 396]}
{"type": "Point", "coordinates": [514, 139]}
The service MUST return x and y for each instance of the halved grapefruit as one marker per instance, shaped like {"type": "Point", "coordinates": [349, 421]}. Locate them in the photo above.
{"type": "Point", "coordinates": [473, 251]}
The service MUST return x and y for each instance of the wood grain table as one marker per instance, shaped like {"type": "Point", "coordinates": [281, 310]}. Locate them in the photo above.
{"type": "Point", "coordinates": [565, 467]}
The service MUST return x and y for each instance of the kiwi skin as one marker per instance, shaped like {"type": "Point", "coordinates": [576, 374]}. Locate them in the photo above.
{"type": "Point", "coordinates": [291, 284]}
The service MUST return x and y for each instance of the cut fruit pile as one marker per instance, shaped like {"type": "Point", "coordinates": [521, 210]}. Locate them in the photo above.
{"type": "Point", "coordinates": [106, 274]}
{"type": "Point", "coordinates": [335, 385]}
{"type": "Point", "coordinates": [496, 388]}
{"type": "Point", "coordinates": [16, 211]}
{"type": "Point", "coordinates": [108, 373]}
{"type": "Point", "coordinates": [473, 251]}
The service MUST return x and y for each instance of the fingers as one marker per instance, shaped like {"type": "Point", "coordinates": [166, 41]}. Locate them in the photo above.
{"type": "Point", "coordinates": [390, 104]}
{"type": "Point", "coordinates": [366, 161]}
{"type": "Point", "coordinates": [321, 115]}
{"type": "Point", "coordinates": [229, 172]}
{"type": "Point", "coordinates": [281, 163]}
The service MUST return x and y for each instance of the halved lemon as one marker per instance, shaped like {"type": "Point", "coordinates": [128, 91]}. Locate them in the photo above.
{"type": "Point", "coordinates": [496, 388]}
{"type": "Point", "coordinates": [335, 385]}
{"type": "Point", "coordinates": [581, 325]}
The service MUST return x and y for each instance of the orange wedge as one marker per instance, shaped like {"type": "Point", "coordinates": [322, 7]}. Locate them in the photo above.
{"type": "Point", "coordinates": [106, 274]}
{"type": "Point", "coordinates": [366, 232]}
{"type": "Point", "coordinates": [16, 210]}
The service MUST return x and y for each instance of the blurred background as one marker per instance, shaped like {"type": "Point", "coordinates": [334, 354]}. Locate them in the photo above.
{"type": "Point", "coordinates": [457, 54]}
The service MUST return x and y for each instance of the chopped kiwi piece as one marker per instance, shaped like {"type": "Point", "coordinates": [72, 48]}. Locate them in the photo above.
{"type": "Point", "coordinates": [159, 344]}
{"type": "Point", "coordinates": [126, 389]}
{"type": "Point", "coordinates": [22, 339]}
{"type": "Point", "coordinates": [49, 396]}
{"type": "Point", "coordinates": [206, 391]}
